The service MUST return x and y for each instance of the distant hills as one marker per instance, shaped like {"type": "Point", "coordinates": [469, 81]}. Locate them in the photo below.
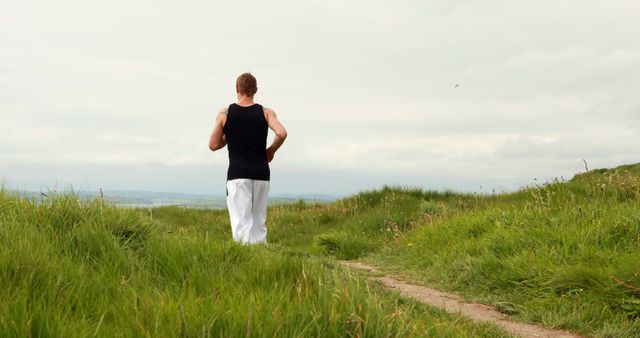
{"type": "Point", "coordinates": [150, 199]}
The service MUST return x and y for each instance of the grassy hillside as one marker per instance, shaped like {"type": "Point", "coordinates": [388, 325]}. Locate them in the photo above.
{"type": "Point", "coordinates": [565, 254]}
{"type": "Point", "coordinates": [71, 268]}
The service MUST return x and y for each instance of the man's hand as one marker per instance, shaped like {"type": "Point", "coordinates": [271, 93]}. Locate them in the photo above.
{"type": "Point", "coordinates": [217, 140]}
{"type": "Point", "coordinates": [278, 129]}
{"type": "Point", "coordinates": [270, 154]}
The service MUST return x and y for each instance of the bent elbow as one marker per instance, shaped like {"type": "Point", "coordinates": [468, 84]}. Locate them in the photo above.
{"type": "Point", "coordinates": [213, 147]}
{"type": "Point", "coordinates": [283, 134]}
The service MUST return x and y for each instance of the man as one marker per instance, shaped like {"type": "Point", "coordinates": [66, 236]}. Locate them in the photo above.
{"type": "Point", "coordinates": [243, 126]}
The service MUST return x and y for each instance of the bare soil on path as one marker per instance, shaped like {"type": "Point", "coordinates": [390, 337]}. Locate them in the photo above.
{"type": "Point", "coordinates": [453, 303]}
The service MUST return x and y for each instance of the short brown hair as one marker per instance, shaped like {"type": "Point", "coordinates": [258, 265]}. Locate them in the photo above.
{"type": "Point", "coordinates": [246, 84]}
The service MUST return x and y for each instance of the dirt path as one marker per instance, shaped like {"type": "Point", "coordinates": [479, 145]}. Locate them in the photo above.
{"type": "Point", "coordinates": [453, 303]}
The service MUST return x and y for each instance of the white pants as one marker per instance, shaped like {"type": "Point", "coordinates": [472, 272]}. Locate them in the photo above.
{"type": "Point", "coordinates": [247, 204]}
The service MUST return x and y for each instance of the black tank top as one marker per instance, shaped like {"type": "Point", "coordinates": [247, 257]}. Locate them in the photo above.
{"type": "Point", "coordinates": [246, 133]}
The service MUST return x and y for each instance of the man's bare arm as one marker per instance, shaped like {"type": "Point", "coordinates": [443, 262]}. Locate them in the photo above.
{"type": "Point", "coordinates": [278, 129]}
{"type": "Point", "coordinates": [217, 140]}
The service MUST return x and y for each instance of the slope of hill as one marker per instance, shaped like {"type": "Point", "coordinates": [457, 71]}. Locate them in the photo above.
{"type": "Point", "coordinates": [565, 254]}
{"type": "Point", "coordinates": [76, 268]}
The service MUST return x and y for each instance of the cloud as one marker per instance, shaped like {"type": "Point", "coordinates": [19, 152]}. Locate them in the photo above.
{"type": "Point", "coordinates": [365, 89]}
{"type": "Point", "coordinates": [568, 147]}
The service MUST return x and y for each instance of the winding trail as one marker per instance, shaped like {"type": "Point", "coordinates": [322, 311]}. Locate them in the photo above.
{"type": "Point", "coordinates": [453, 303]}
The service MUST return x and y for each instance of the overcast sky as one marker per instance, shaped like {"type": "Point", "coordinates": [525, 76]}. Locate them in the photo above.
{"type": "Point", "coordinates": [122, 95]}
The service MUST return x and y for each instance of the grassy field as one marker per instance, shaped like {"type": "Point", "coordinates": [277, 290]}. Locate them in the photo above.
{"type": "Point", "coordinates": [565, 254]}
{"type": "Point", "coordinates": [71, 268]}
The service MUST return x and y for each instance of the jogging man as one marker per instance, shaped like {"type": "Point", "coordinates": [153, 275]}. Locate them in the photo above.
{"type": "Point", "coordinates": [243, 126]}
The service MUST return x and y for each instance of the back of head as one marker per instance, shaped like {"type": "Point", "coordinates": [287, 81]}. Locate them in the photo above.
{"type": "Point", "coordinates": [246, 84]}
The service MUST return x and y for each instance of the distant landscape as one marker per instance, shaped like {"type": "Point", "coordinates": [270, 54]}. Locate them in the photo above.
{"type": "Point", "coordinates": [153, 199]}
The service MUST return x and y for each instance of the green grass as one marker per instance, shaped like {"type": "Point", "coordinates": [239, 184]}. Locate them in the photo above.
{"type": "Point", "coordinates": [565, 254]}
{"type": "Point", "coordinates": [554, 254]}
{"type": "Point", "coordinates": [72, 268]}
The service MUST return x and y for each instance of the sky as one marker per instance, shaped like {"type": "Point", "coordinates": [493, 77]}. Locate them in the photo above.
{"type": "Point", "coordinates": [465, 95]}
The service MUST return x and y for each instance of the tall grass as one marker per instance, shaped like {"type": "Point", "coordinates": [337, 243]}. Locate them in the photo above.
{"type": "Point", "coordinates": [565, 254]}
{"type": "Point", "coordinates": [73, 268]}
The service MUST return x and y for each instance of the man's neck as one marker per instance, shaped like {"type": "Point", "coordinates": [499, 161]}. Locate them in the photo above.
{"type": "Point", "coordinates": [245, 100]}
